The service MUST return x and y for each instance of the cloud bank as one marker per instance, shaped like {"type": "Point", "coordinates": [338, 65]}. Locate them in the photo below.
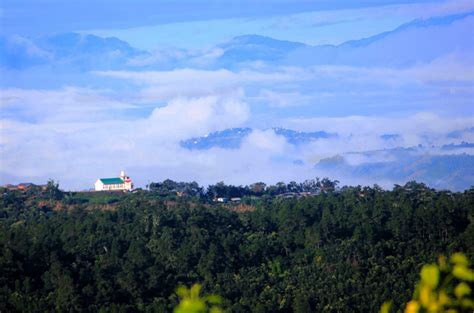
{"type": "Point", "coordinates": [75, 151]}
{"type": "Point", "coordinates": [75, 107]}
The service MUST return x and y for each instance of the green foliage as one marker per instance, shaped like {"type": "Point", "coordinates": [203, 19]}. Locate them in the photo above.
{"type": "Point", "coordinates": [53, 191]}
{"type": "Point", "coordinates": [171, 188]}
{"type": "Point", "coordinates": [444, 287]}
{"type": "Point", "coordinates": [342, 250]}
{"type": "Point", "coordinates": [95, 198]}
{"type": "Point", "coordinates": [386, 306]}
{"type": "Point", "coordinates": [192, 302]}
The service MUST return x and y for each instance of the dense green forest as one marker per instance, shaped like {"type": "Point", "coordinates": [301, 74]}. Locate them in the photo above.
{"type": "Point", "coordinates": [331, 249]}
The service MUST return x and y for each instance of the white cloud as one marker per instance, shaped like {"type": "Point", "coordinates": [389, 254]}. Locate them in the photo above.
{"type": "Point", "coordinates": [359, 133]}
{"type": "Point", "coordinates": [266, 140]}
{"type": "Point", "coordinates": [184, 117]}
{"type": "Point", "coordinates": [283, 87]}
{"type": "Point", "coordinates": [213, 77]}
{"type": "Point", "coordinates": [77, 134]}
{"type": "Point", "coordinates": [149, 148]}
{"type": "Point", "coordinates": [359, 124]}
{"type": "Point", "coordinates": [457, 67]}
{"type": "Point", "coordinates": [166, 85]}
{"type": "Point", "coordinates": [66, 104]}
{"type": "Point", "coordinates": [282, 99]}
{"type": "Point", "coordinates": [172, 57]}
{"type": "Point", "coordinates": [75, 152]}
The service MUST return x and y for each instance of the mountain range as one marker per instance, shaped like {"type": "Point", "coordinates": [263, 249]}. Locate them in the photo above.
{"type": "Point", "coordinates": [68, 49]}
{"type": "Point", "coordinates": [407, 45]}
{"type": "Point", "coordinates": [453, 171]}
{"type": "Point", "coordinates": [447, 166]}
{"type": "Point", "coordinates": [390, 49]}
{"type": "Point", "coordinates": [232, 138]}
{"type": "Point", "coordinates": [149, 80]}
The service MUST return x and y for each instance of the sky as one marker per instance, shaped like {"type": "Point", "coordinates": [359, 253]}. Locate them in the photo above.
{"type": "Point", "coordinates": [90, 88]}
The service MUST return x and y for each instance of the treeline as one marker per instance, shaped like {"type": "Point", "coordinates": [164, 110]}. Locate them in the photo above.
{"type": "Point", "coordinates": [222, 190]}
{"type": "Point", "coordinates": [339, 251]}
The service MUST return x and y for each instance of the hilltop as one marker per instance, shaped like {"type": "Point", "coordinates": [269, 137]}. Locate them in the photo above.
{"type": "Point", "coordinates": [296, 254]}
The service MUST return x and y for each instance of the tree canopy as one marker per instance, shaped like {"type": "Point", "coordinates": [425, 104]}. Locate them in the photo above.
{"type": "Point", "coordinates": [343, 249]}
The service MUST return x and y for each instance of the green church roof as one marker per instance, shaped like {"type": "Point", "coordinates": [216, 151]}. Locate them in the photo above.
{"type": "Point", "coordinates": [111, 181]}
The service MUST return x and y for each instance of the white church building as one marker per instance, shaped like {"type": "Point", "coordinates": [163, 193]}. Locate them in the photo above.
{"type": "Point", "coordinates": [123, 183]}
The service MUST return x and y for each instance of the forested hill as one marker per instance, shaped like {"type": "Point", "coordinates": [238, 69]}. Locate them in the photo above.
{"type": "Point", "coordinates": [345, 250]}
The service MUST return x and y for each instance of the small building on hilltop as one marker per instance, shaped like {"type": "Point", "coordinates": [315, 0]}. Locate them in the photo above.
{"type": "Point", "coordinates": [122, 183]}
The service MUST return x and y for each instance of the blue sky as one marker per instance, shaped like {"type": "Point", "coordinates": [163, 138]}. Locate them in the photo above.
{"type": "Point", "coordinates": [197, 24]}
{"type": "Point", "coordinates": [46, 16]}
{"type": "Point", "coordinates": [334, 28]}
{"type": "Point", "coordinates": [121, 83]}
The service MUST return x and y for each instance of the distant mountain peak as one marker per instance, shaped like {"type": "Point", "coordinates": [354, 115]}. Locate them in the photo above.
{"type": "Point", "coordinates": [254, 39]}
{"type": "Point", "coordinates": [232, 138]}
{"type": "Point", "coordinates": [247, 48]}
{"type": "Point", "coordinates": [409, 44]}
{"type": "Point", "coordinates": [71, 49]}
{"type": "Point", "coordinates": [417, 23]}
{"type": "Point", "coordinates": [87, 42]}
